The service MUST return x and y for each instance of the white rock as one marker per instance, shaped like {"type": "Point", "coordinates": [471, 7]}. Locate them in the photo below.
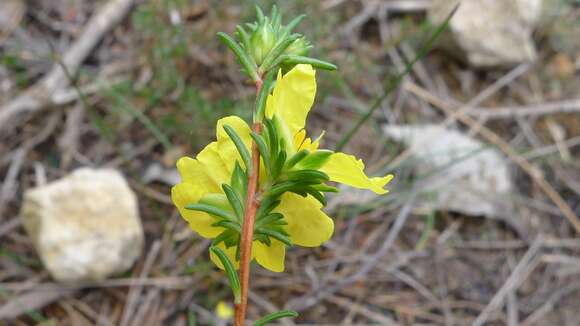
{"type": "Point", "coordinates": [85, 226]}
{"type": "Point", "coordinates": [491, 32]}
{"type": "Point", "coordinates": [461, 173]}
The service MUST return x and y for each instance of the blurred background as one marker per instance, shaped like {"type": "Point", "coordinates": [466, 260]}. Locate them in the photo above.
{"type": "Point", "coordinates": [98, 99]}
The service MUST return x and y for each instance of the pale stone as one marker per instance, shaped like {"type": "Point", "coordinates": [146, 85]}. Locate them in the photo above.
{"type": "Point", "coordinates": [85, 226]}
{"type": "Point", "coordinates": [490, 32]}
{"type": "Point", "coordinates": [461, 173]}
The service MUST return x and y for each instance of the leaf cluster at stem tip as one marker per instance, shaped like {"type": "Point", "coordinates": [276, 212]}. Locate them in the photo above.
{"type": "Point", "coordinates": [267, 45]}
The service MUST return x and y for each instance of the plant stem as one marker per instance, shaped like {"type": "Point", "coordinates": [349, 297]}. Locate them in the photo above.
{"type": "Point", "coordinates": [248, 226]}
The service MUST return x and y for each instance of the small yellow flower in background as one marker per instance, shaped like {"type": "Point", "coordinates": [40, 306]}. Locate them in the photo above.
{"type": "Point", "coordinates": [224, 311]}
{"type": "Point", "coordinates": [307, 225]}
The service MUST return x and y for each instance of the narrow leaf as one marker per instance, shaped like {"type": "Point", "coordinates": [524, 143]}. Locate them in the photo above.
{"type": "Point", "coordinates": [270, 218]}
{"type": "Point", "coordinates": [315, 160]}
{"type": "Point", "coordinates": [260, 108]}
{"type": "Point", "coordinates": [276, 235]}
{"type": "Point", "coordinates": [243, 36]}
{"type": "Point", "coordinates": [310, 176]}
{"type": "Point", "coordinates": [275, 316]}
{"type": "Point", "coordinates": [291, 25]}
{"type": "Point", "coordinates": [212, 210]}
{"type": "Point", "coordinates": [239, 180]}
{"type": "Point", "coordinates": [247, 63]}
{"type": "Point", "coordinates": [276, 51]}
{"type": "Point", "coordinates": [241, 147]}
{"type": "Point", "coordinates": [260, 14]}
{"type": "Point", "coordinates": [296, 158]}
{"type": "Point", "coordinates": [278, 164]}
{"type": "Point", "coordinates": [228, 225]}
{"type": "Point", "coordinates": [272, 136]}
{"type": "Point", "coordinates": [235, 201]}
{"type": "Point", "coordinates": [230, 271]}
{"type": "Point", "coordinates": [263, 149]}
{"type": "Point", "coordinates": [298, 59]}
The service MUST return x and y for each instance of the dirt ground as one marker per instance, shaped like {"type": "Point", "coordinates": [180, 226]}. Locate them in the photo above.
{"type": "Point", "coordinates": [148, 86]}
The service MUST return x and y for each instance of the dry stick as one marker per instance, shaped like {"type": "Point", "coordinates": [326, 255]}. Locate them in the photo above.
{"type": "Point", "coordinates": [567, 106]}
{"type": "Point", "coordinates": [519, 274]}
{"type": "Point", "coordinates": [29, 301]}
{"type": "Point", "coordinates": [548, 306]}
{"type": "Point", "coordinates": [247, 236]}
{"type": "Point", "coordinates": [40, 95]}
{"type": "Point", "coordinates": [169, 282]}
{"type": "Point", "coordinates": [135, 292]}
{"type": "Point", "coordinates": [373, 260]}
{"type": "Point", "coordinates": [504, 147]}
{"type": "Point", "coordinates": [8, 189]}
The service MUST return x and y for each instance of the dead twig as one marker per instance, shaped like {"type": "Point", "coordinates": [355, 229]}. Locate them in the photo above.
{"type": "Point", "coordinates": [32, 300]}
{"type": "Point", "coordinates": [135, 292]}
{"type": "Point", "coordinates": [9, 187]}
{"type": "Point", "coordinates": [504, 147]}
{"type": "Point", "coordinates": [568, 106]}
{"type": "Point", "coordinates": [311, 299]}
{"type": "Point", "coordinates": [169, 282]}
{"type": "Point", "coordinates": [40, 95]}
{"type": "Point", "coordinates": [525, 266]}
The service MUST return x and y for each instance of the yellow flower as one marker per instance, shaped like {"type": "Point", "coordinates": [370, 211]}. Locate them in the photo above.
{"type": "Point", "coordinates": [224, 311]}
{"type": "Point", "coordinates": [308, 225]}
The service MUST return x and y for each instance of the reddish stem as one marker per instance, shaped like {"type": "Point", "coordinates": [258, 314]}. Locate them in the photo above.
{"type": "Point", "coordinates": [248, 227]}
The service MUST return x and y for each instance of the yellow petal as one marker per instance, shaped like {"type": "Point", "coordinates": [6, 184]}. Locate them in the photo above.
{"type": "Point", "coordinates": [293, 96]}
{"type": "Point", "coordinates": [196, 172]}
{"type": "Point", "coordinates": [270, 257]}
{"type": "Point", "coordinates": [347, 169]}
{"type": "Point", "coordinates": [225, 147]}
{"type": "Point", "coordinates": [185, 193]}
{"type": "Point", "coordinates": [308, 225]}
{"type": "Point", "coordinates": [299, 139]}
{"type": "Point", "coordinates": [230, 252]}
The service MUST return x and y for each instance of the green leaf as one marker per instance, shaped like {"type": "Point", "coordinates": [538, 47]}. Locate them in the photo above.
{"type": "Point", "coordinates": [325, 188]}
{"type": "Point", "coordinates": [212, 210]}
{"type": "Point", "coordinates": [260, 108]}
{"type": "Point", "coordinates": [276, 51]}
{"type": "Point", "coordinates": [315, 160]}
{"type": "Point", "coordinates": [296, 158]}
{"type": "Point", "coordinates": [224, 237]}
{"type": "Point", "coordinates": [243, 58]}
{"type": "Point", "coordinates": [272, 136]}
{"type": "Point", "coordinates": [278, 164]}
{"type": "Point", "coordinates": [235, 226]}
{"type": "Point", "coordinates": [263, 148]}
{"type": "Point", "coordinates": [275, 316]}
{"type": "Point", "coordinates": [266, 206]}
{"type": "Point", "coordinates": [268, 219]}
{"type": "Point", "coordinates": [239, 180]}
{"type": "Point", "coordinates": [317, 195]}
{"type": "Point", "coordinates": [282, 187]}
{"type": "Point", "coordinates": [230, 271]}
{"type": "Point", "coordinates": [260, 14]}
{"type": "Point", "coordinates": [275, 16]}
{"type": "Point", "coordinates": [235, 201]}
{"type": "Point", "coordinates": [291, 25]}
{"type": "Point", "coordinates": [243, 36]}
{"type": "Point", "coordinates": [244, 153]}
{"type": "Point", "coordinates": [308, 176]}
{"type": "Point", "coordinates": [276, 235]}
{"type": "Point", "coordinates": [316, 63]}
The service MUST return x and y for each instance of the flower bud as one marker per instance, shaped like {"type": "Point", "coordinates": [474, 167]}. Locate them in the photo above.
{"type": "Point", "coordinates": [262, 40]}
